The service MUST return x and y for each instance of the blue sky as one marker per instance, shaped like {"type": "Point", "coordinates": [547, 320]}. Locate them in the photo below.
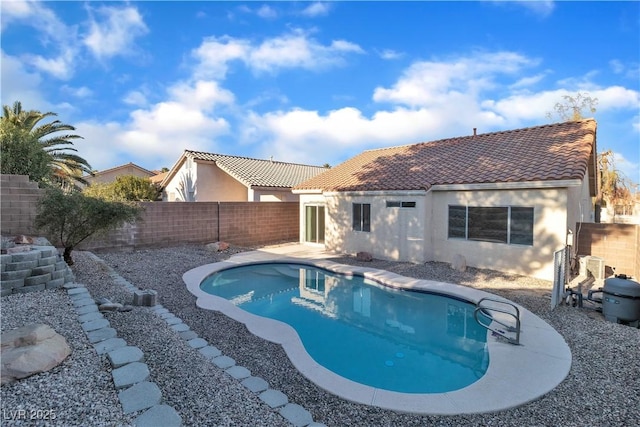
{"type": "Point", "coordinates": [316, 82]}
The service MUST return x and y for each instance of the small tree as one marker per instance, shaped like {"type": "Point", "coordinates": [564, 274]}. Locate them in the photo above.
{"type": "Point", "coordinates": [615, 188]}
{"type": "Point", "coordinates": [572, 107]}
{"type": "Point", "coordinates": [69, 219]}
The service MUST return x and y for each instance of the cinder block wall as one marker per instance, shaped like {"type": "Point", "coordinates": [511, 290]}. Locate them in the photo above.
{"type": "Point", "coordinates": [618, 244]}
{"type": "Point", "coordinates": [18, 204]}
{"type": "Point", "coordinates": [238, 223]}
{"type": "Point", "coordinates": [164, 223]}
{"type": "Point", "coordinates": [259, 223]}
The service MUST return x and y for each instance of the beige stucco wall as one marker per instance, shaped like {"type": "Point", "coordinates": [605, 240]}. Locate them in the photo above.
{"type": "Point", "coordinates": [208, 182]}
{"type": "Point", "coordinates": [214, 184]}
{"type": "Point", "coordinates": [396, 233]}
{"type": "Point", "coordinates": [172, 190]}
{"type": "Point", "coordinates": [272, 195]}
{"type": "Point", "coordinates": [549, 229]}
{"type": "Point", "coordinates": [421, 234]}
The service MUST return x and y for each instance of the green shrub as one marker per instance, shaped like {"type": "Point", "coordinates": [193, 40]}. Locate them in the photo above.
{"type": "Point", "coordinates": [22, 154]}
{"type": "Point", "coordinates": [124, 188]}
{"type": "Point", "coordinates": [69, 219]}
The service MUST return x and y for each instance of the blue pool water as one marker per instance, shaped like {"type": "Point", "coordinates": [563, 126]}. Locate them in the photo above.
{"type": "Point", "coordinates": [398, 340]}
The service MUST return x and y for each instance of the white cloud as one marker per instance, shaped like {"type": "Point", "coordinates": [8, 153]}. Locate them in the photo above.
{"type": "Point", "coordinates": [136, 98]}
{"type": "Point", "coordinates": [306, 136]}
{"type": "Point", "coordinates": [267, 12]}
{"type": "Point", "coordinates": [316, 9]}
{"type": "Point", "coordinates": [542, 8]}
{"type": "Point", "coordinates": [15, 10]}
{"type": "Point", "coordinates": [156, 136]}
{"type": "Point", "coordinates": [19, 84]}
{"type": "Point", "coordinates": [297, 50]}
{"type": "Point", "coordinates": [528, 81]}
{"type": "Point", "coordinates": [616, 66]}
{"type": "Point", "coordinates": [59, 38]}
{"type": "Point", "coordinates": [293, 50]}
{"type": "Point", "coordinates": [78, 92]}
{"type": "Point", "coordinates": [214, 54]}
{"type": "Point", "coordinates": [616, 97]}
{"type": "Point", "coordinates": [99, 146]}
{"type": "Point", "coordinates": [61, 67]}
{"type": "Point", "coordinates": [389, 54]}
{"type": "Point", "coordinates": [203, 95]}
{"type": "Point", "coordinates": [116, 32]}
{"type": "Point", "coordinates": [430, 83]}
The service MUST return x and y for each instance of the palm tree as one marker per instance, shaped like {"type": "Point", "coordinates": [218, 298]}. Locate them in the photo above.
{"type": "Point", "coordinates": [67, 167]}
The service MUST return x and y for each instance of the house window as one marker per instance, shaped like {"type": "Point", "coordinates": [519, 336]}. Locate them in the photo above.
{"type": "Point", "coordinates": [487, 224]}
{"type": "Point", "coordinates": [521, 230]}
{"type": "Point", "coordinates": [361, 217]}
{"type": "Point", "coordinates": [398, 204]}
{"type": "Point", "coordinates": [513, 225]}
{"type": "Point", "coordinates": [458, 222]}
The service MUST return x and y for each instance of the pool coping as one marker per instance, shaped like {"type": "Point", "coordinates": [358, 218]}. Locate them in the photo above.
{"type": "Point", "coordinates": [516, 374]}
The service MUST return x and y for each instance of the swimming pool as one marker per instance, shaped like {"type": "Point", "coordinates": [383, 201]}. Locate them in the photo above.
{"type": "Point", "coordinates": [515, 374]}
{"type": "Point", "coordinates": [392, 339]}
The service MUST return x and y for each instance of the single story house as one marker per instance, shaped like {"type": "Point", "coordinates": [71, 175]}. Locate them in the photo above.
{"type": "Point", "coordinates": [109, 175]}
{"type": "Point", "coordinates": [208, 177]}
{"type": "Point", "coordinates": [503, 200]}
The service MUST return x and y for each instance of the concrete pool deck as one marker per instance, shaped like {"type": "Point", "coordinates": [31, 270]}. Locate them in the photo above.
{"type": "Point", "coordinates": [517, 374]}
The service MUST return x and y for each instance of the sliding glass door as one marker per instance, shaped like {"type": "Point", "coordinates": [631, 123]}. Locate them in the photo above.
{"type": "Point", "coordinates": [314, 224]}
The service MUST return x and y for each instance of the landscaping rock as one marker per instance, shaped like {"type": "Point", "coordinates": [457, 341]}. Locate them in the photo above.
{"type": "Point", "coordinates": [110, 306]}
{"type": "Point", "coordinates": [364, 256]}
{"type": "Point", "coordinates": [459, 263]}
{"type": "Point", "coordinates": [217, 246]}
{"type": "Point", "coordinates": [31, 349]}
{"type": "Point", "coordinates": [23, 240]}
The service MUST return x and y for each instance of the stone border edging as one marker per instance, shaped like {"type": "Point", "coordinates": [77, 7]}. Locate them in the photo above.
{"type": "Point", "coordinates": [130, 375]}
{"type": "Point", "coordinates": [275, 399]}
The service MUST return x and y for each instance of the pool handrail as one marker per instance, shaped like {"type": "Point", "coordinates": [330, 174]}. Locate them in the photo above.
{"type": "Point", "coordinates": [486, 310]}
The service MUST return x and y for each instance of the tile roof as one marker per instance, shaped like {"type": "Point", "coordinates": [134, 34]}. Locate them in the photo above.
{"type": "Point", "coordinates": [260, 173]}
{"type": "Point", "coordinates": [542, 153]}
{"type": "Point", "coordinates": [159, 177]}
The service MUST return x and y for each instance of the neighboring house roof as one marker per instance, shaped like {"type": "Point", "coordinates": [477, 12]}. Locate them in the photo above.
{"type": "Point", "coordinates": [252, 172]}
{"type": "Point", "coordinates": [561, 151]}
{"type": "Point", "coordinates": [124, 168]}
{"type": "Point", "coordinates": [158, 178]}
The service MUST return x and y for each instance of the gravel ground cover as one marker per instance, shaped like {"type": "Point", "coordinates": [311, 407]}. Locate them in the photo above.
{"type": "Point", "coordinates": [602, 388]}
{"type": "Point", "coordinates": [77, 392]}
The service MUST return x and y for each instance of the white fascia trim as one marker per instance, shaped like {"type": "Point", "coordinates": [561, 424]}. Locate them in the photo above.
{"type": "Point", "coordinates": [314, 191]}
{"type": "Point", "coordinates": [377, 193]}
{"type": "Point", "coordinates": [509, 185]}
